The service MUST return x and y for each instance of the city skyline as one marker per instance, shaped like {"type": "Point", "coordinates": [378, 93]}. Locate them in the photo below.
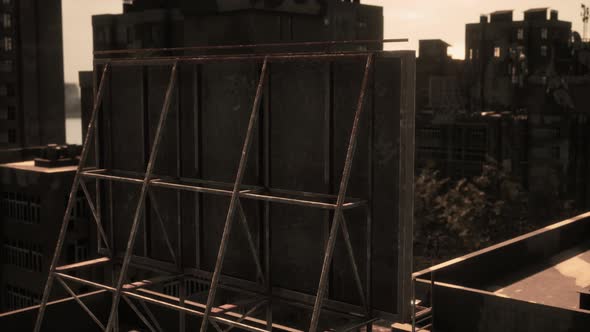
{"type": "Point", "coordinates": [414, 20]}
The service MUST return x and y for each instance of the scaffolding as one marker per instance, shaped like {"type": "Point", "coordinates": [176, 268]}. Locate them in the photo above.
{"type": "Point", "coordinates": [259, 294]}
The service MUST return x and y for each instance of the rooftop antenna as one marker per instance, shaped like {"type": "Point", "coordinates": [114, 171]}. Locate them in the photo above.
{"type": "Point", "coordinates": [585, 16]}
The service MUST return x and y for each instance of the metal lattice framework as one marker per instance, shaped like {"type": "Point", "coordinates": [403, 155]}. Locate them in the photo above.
{"type": "Point", "coordinates": [222, 318]}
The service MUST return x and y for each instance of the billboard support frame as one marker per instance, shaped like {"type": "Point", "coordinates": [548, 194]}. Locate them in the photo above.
{"type": "Point", "coordinates": [209, 312]}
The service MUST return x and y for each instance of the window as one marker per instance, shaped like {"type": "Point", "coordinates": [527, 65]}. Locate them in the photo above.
{"type": "Point", "coordinates": [470, 54]}
{"type": "Point", "coordinates": [11, 113]}
{"type": "Point", "coordinates": [497, 52]}
{"type": "Point", "coordinates": [80, 251]}
{"type": "Point", "coordinates": [23, 255]}
{"type": "Point", "coordinates": [520, 34]}
{"type": "Point", "coordinates": [81, 211]}
{"type": "Point", "coordinates": [7, 44]}
{"type": "Point", "coordinates": [544, 33]}
{"type": "Point", "coordinates": [20, 207]}
{"type": "Point", "coordinates": [6, 20]}
{"type": "Point", "coordinates": [543, 50]}
{"type": "Point", "coordinates": [18, 298]}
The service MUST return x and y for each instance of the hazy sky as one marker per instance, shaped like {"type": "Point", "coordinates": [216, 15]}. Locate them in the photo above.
{"type": "Point", "coordinates": [413, 19]}
{"type": "Point", "coordinates": [77, 28]}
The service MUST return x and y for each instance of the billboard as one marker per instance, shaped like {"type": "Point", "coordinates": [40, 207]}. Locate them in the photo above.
{"type": "Point", "coordinates": [299, 117]}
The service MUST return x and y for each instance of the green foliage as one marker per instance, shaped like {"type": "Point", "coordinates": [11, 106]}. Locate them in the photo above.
{"type": "Point", "coordinates": [453, 218]}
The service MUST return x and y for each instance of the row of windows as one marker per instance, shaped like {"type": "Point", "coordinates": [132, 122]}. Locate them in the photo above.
{"type": "Point", "coordinates": [18, 298]}
{"type": "Point", "coordinates": [544, 34]}
{"type": "Point", "coordinates": [498, 52]}
{"type": "Point", "coordinates": [128, 35]}
{"type": "Point", "coordinates": [21, 207]}
{"type": "Point", "coordinates": [433, 133]}
{"type": "Point", "coordinates": [23, 255]}
{"type": "Point", "coordinates": [442, 153]}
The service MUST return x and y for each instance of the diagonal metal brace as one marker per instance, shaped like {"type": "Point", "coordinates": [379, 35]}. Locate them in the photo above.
{"type": "Point", "coordinates": [95, 214]}
{"type": "Point", "coordinates": [329, 254]}
{"type": "Point", "coordinates": [142, 197]}
{"type": "Point", "coordinates": [235, 195]}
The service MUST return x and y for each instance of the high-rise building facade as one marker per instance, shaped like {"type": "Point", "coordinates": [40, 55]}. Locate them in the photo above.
{"type": "Point", "coordinates": [31, 73]}
{"type": "Point", "coordinates": [157, 24]}
{"type": "Point", "coordinates": [501, 53]}
{"type": "Point", "coordinates": [33, 197]}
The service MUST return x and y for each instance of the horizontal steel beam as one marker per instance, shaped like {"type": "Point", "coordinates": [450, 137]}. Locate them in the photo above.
{"type": "Point", "coordinates": [245, 286]}
{"type": "Point", "coordinates": [273, 196]}
{"type": "Point", "coordinates": [254, 46]}
{"type": "Point", "coordinates": [84, 264]}
{"type": "Point", "coordinates": [170, 305]}
{"type": "Point", "coordinates": [257, 58]}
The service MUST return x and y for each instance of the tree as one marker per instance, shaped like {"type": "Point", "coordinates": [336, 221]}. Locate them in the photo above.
{"type": "Point", "coordinates": [457, 217]}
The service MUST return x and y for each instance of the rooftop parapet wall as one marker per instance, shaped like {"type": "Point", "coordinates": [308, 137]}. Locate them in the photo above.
{"type": "Point", "coordinates": [482, 268]}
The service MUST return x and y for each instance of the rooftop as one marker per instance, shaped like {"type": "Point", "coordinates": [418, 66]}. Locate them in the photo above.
{"type": "Point", "coordinates": [556, 282]}
{"type": "Point", "coordinates": [30, 166]}
{"type": "Point", "coordinates": [534, 10]}
{"type": "Point", "coordinates": [533, 282]}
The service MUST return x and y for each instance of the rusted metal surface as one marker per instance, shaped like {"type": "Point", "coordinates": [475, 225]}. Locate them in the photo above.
{"type": "Point", "coordinates": [253, 46]}
{"type": "Point", "coordinates": [280, 181]}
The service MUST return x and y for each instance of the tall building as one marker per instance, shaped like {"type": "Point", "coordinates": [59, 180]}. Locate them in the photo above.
{"type": "Point", "coordinates": [31, 73]}
{"type": "Point", "coordinates": [439, 79]}
{"type": "Point", "coordinates": [459, 145]}
{"type": "Point", "coordinates": [33, 197]}
{"type": "Point", "coordinates": [500, 53]}
{"type": "Point", "coordinates": [157, 24]}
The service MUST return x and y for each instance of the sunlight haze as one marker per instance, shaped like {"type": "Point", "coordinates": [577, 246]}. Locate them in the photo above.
{"type": "Point", "coordinates": [421, 19]}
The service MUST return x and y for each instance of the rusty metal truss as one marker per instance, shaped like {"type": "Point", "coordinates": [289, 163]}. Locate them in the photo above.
{"type": "Point", "coordinates": [259, 294]}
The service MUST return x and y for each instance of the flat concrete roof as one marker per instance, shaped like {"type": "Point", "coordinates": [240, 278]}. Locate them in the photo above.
{"type": "Point", "coordinates": [556, 282]}
{"type": "Point", "coordinates": [30, 166]}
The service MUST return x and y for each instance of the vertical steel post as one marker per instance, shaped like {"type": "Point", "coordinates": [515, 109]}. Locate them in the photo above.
{"type": "Point", "coordinates": [235, 196]}
{"type": "Point", "coordinates": [266, 224]}
{"type": "Point", "coordinates": [340, 201]}
{"type": "Point", "coordinates": [71, 201]}
{"type": "Point", "coordinates": [142, 197]}
{"type": "Point", "coordinates": [413, 304]}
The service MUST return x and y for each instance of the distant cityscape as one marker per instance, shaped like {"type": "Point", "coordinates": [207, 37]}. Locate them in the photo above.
{"type": "Point", "coordinates": [499, 175]}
